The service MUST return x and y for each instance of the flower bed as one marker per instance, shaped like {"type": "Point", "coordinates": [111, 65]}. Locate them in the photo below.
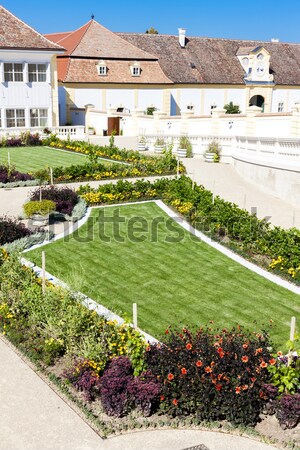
{"type": "Point", "coordinates": [11, 230]}
{"type": "Point", "coordinates": [274, 248]}
{"type": "Point", "coordinates": [191, 375]}
{"type": "Point", "coordinates": [10, 175]}
{"type": "Point", "coordinates": [64, 198]}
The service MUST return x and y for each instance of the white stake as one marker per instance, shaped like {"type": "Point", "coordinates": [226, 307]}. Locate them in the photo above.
{"type": "Point", "coordinates": [43, 272]}
{"type": "Point", "coordinates": [40, 193]}
{"type": "Point", "coordinates": [134, 311]}
{"type": "Point", "coordinates": [177, 166]}
{"type": "Point", "coordinates": [8, 159]}
{"type": "Point", "coordinates": [292, 337]}
{"type": "Point", "coordinates": [51, 176]}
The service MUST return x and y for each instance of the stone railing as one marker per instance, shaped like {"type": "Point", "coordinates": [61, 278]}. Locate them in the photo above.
{"type": "Point", "coordinates": [64, 132]}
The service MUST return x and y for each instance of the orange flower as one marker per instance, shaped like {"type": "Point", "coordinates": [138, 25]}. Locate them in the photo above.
{"type": "Point", "coordinates": [208, 369]}
{"type": "Point", "coordinates": [188, 346]}
{"type": "Point", "coordinates": [263, 364]}
{"type": "Point", "coordinates": [183, 371]}
{"type": "Point", "coordinates": [162, 397]}
{"type": "Point", "coordinates": [245, 346]}
{"type": "Point", "coordinates": [237, 390]}
{"type": "Point", "coordinates": [199, 363]}
{"type": "Point", "coordinates": [245, 387]}
{"type": "Point", "coordinates": [245, 359]}
{"type": "Point", "coordinates": [175, 402]}
{"type": "Point", "coordinates": [170, 376]}
{"type": "Point", "coordinates": [221, 352]}
{"type": "Point", "coordinates": [148, 348]}
{"type": "Point", "coordinates": [272, 361]}
{"type": "Point", "coordinates": [257, 351]}
{"type": "Point", "coordinates": [279, 353]}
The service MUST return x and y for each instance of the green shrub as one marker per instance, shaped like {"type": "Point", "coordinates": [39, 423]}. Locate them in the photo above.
{"type": "Point", "coordinates": [41, 207]}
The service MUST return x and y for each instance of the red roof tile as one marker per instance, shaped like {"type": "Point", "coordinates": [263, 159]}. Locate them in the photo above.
{"type": "Point", "coordinates": [18, 35]}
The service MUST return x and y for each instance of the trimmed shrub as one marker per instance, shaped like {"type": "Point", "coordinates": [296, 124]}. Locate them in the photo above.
{"type": "Point", "coordinates": [10, 175]}
{"type": "Point", "coordinates": [214, 376]}
{"type": "Point", "coordinates": [64, 198]}
{"type": "Point", "coordinates": [115, 397]}
{"type": "Point", "coordinates": [12, 229]}
{"type": "Point", "coordinates": [42, 207]}
{"type": "Point", "coordinates": [288, 412]}
{"type": "Point", "coordinates": [145, 392]}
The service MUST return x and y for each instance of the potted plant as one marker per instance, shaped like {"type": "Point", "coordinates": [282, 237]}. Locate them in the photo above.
{"type": "Point", "coordinates": [212, 154]}
{"type": "Point", "coordinates": [39, 211]}
{"type": "Point", "coordinates": [142, 144]}
{"type": "Point", "coordinates": [91, 130]}
{"type": "Point", "coordinates": [185, 148]}
{"type": "Point", "coordinates": [159, 145]}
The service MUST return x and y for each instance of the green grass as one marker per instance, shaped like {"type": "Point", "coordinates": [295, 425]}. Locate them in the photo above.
{"type": "Point", "coordinates": [28, 159]}
{"type": "Point", "coordinates": [186, 282]}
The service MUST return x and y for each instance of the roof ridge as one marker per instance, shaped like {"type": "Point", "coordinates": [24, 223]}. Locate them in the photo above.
{"type": "Point", "coordinates": [32, 29]}
{"type": "Point", "coordinates": [86, 27]}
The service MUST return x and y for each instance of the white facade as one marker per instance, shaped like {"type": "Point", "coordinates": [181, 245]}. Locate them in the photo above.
{"type": "Point", "coordinates": [26, 92]}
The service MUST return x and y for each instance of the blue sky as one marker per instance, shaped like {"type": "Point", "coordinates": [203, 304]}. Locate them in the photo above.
{"type": "Point", "coordinates": [259, 20]}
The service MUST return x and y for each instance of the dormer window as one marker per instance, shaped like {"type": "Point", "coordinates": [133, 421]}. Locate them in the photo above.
{"type": "Point", "coordinates": [260, 56]}
{"type": "Point", "coordinates": [135, 69]}
{"type": "Point", "coordinates": [102, 68]}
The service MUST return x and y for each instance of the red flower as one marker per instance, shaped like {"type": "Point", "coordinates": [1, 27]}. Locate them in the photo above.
{"type": "Point", "coordinates": [162, 397]}
{"type": "Point", "coordinates": [263, 364]}
{"type": "Point", "coordinates": [272, 361]}
{"type": "Point", "coordinates": [245, 387]}
{"type": "Point", "coordinates": [189, 346]}
{"type": "Point", "coordinates": [175, 402]}
{"type": "Point", "coordinates": [258, 350]}
{"type": "Point", "coordinates": [167, 331]}
{"type": "Point", "coordinates": [199, 363]}
{"type": "Point", "coordinates": [237, 390]}
{"type": "Point", "coordinates": [253, 379]}
{"type": "Point", "coordinates": [183, 371]}
{"type": "Point", "coordinates": [208, 369]}
{"type": "Point", "coordinates": [170, 376]}
{"type": "Point", "coordinates": [218, 387]}
{"type": "Point", "coordinates": [245, 359]}
{"type": "Point", "coordinates": [245, 346]}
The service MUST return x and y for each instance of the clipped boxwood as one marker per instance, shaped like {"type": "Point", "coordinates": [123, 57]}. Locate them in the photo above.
{"type": "Point", "coordinates": [40, 207]}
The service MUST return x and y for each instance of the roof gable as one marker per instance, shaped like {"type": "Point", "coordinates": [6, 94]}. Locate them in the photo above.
{"type": "Point", "coordinates": [95, 41]}
{"type": "Point", "coordinates": [15, 34]}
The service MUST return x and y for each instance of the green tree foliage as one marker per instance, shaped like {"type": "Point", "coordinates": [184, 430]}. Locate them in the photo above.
{"type": "Point", "coordinates": [151, 30]}
{"type": "Point", "coordinates": [232, 109]}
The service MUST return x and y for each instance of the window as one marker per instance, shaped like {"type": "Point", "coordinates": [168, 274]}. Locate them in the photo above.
{"type": "Point", "coordinates": [102, 68]}
{"type": "Point", "coordinates": [38, 117]}
{"type": "Point", "coordinates": [13, 72]}
{"type": "Point", "coordinates": [15, 118]}
{"type": "Point", "coordinates": [212, 106]}
{"type": "Point", "coordinates": [190, 107]}
{"type": "Point", "coordinates": [0, 120]}
{"type": "Point", "coordinates": [135, 69]}
{"type": "Point", "coordinates": [280, 106]}
{"type": "Point", "coordinates": [37, 72]}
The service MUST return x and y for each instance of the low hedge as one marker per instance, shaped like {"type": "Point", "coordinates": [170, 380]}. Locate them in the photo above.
{"type": "Point", "coordinates": [273, 247]}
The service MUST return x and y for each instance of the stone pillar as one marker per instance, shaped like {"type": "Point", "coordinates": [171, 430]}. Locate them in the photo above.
{"type": "Point", "coordinates": [186, 114]}
{"type": "Point", "coordinates": [216, 113]}
{"type": "Point", "coordinates": [88, 109]}
{"type": "Point", "coordinates": [295, 120]}
{"type": "Point", "coordinates": [158, 115]}
{"type": "Point", "coordinates": [135, 129]}
{"type": "Point", "coordinates": [251, 113]}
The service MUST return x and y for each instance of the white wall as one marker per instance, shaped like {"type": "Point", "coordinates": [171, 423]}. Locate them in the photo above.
{"type": "Point", "coordinates": [213, 96]}
{"type": "Point", "coordinates": [150, 97]}
{"type": "Point", "coordinates": [238, 97]}
{"type": "Point", "coordinates": [191, 96]}
{"type": "Point", "coordinates": [84, 96]}
{"type": "Point", "coordinates": [120, 97]}
{"type": "Point", "coordinates": [25, 95]}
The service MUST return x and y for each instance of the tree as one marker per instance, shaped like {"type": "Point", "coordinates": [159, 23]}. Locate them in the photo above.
{"type": "Point", "coordinates": [151, 31]}
{"type": "Point", "coordinates": [232, 109]}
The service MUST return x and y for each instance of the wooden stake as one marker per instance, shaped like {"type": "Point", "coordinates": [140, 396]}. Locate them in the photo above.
{"type": "Point", "coordinates": [51, 176]}
{"type": "Point", "coordinates": [43, 272]}
{"type": "Point", "coordinates": [8, 159]}
{"type": "Point", "coordinates": [40, 193]}
{"type": "Point", "coordinates": [292, 337]}
{"type": "Point", "coordinates": [177, 166]}
{"type": "Point", "coordinates": [134, 311]}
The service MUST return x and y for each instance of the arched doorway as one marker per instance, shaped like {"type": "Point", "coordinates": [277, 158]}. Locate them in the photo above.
{"type": "Point", "coordinates": [257, 100]}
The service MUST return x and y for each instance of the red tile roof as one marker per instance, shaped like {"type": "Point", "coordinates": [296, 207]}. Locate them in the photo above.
{"type": "Point", "coordinates": [15, 34]}
{"type": "Point", "coordinates": [95, 41]}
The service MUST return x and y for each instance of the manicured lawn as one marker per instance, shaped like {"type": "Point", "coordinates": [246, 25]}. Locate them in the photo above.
{"type": "Point", "coordinates": [185, 282]}
{"type": "Point", "coordinates": [27, 159]}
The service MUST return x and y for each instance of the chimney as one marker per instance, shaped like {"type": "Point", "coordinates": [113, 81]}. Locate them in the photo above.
{"type": "Point", "coordinates": [274, 40]}
{"type": "Point", "coordinates": [181, 32]}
